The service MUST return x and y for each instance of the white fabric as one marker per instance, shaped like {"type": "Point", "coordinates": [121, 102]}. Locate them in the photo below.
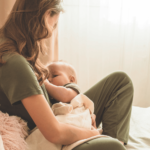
{"type": "Point", "coordinates": [82, 119]}
{"type": "Point", "coordinates": [82, 100]}
{"type": "Point", "coordinates": [99, 37]}
{"type": "Point", "coordinates": [139, 136]}
{"type": "Point", "coordinates": [80, 115]}
{"type": "Point", "coordinates": [1, 143]}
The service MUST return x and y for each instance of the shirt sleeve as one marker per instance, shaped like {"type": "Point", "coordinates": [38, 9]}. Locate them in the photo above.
{"type": "Point", "coordinates": [18, 79]}
{"type": "Point", "coordinates": [73, 86]}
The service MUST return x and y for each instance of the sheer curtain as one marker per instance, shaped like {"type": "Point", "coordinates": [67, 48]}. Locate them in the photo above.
{"type": "Point", "coordinates": [99, 37]}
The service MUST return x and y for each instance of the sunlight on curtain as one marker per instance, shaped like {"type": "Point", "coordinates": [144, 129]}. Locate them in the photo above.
{"type": "Point", "coordinates": [99, 37]}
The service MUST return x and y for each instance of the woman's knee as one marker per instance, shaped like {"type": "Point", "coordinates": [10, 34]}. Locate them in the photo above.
{"type": "Point", "coordinates": [122, 76]}
{"type": "Point", "coordinates": [123, 84]}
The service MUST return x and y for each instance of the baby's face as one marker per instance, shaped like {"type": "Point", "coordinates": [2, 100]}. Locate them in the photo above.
{"type": "Point", "coordinates": [59, 74]}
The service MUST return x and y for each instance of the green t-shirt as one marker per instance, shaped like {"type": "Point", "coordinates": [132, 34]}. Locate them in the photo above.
{"type": "Point", "coordinates": [18, 81]}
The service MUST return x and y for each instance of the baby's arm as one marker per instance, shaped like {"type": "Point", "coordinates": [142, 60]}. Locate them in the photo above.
{"type": "Point", "coordinates": [60, 93]}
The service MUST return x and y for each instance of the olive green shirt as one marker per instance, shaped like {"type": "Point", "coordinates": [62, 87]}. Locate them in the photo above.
{"type": "Point", "coordinates": [18, 81]}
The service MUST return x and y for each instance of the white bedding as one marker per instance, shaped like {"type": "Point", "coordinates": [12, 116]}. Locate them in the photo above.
{"type": "Point", "coordinates": [139, 136]}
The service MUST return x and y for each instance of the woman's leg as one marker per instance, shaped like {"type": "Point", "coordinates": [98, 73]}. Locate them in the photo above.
{"type": "Point", "coordinates": [112, 97]}
{"type": "Point", "coordinates": [101, 144]}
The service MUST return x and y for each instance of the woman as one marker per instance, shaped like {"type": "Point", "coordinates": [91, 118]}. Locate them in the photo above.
{"type": "Point", "coordinates": [22, 92]}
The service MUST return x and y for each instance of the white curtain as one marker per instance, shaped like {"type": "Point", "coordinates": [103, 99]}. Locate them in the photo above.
{"type": "Point", "coordinates": [99, 37]}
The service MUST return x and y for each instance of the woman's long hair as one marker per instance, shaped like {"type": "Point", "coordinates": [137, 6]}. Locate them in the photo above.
{"type": "Point", "coordinates": [24, 30]}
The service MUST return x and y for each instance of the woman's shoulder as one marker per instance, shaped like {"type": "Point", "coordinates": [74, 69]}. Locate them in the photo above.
{"type": "Point", "coordinates": [13, 57]}
{"type": "Point", "coordinates": [14, 61]}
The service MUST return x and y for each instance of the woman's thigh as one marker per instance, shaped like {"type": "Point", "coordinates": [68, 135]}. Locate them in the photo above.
{"type": "Point", "coordinates": [101, 144]}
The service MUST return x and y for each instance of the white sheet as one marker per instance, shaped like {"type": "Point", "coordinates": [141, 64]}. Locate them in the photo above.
{"type": "Point", "coordinates": [139, 136]}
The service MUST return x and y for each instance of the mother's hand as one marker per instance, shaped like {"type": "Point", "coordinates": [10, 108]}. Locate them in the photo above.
{"type": "Point", "coordinates": [93, 117]}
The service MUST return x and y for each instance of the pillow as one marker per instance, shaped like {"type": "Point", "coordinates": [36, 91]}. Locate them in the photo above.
{"type": "Point", "coordinates": [13, 132]}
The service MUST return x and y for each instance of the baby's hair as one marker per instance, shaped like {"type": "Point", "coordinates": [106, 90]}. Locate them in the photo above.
{"type": "Point", "coordinates": [71, 68]}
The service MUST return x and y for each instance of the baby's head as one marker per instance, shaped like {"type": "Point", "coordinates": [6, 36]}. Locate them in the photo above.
{"type": "Point", "coordinates": [61, 73]}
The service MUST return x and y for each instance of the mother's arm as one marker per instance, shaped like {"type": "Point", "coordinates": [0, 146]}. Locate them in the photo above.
{"type": "Point", "coordinates": [54, 131]}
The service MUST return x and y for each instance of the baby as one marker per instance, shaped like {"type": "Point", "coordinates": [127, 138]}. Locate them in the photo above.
{"type": "Point", "coordinates": [64, 74]}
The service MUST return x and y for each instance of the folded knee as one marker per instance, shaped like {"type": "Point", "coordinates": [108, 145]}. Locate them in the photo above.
{"type": "Point", "coordinates": [121, 74]}
{"type": "Point", "coordinates": [122, 78]}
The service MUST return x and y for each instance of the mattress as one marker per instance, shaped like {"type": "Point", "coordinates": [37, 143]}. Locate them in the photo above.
{"type": "Point", "coordinates": [139, 135]}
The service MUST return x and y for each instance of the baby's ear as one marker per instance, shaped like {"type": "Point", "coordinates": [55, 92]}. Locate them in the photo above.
{"type": "Point", "coordinates": [72, 79]}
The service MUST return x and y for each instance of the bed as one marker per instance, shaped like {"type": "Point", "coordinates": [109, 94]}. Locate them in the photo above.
{"type": "Point", "coordinates": [139, 136]}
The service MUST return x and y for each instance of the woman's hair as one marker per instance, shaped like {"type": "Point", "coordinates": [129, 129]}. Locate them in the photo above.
{"type": "Point", "coordinates": [24, 30]}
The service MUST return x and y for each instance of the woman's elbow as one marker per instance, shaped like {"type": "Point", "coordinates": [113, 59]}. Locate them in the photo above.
{"type": "Point", "coordinates": [55, 138]}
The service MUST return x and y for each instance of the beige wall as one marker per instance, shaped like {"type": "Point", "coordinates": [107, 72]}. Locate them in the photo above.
{"type": "Point", "coordinates": [52, 43]}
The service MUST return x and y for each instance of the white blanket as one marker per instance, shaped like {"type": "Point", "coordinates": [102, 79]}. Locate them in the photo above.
{"type": "Point", "coordinates": [139, 136]}
{"type": "Point", "coordinates": [77, 113]}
